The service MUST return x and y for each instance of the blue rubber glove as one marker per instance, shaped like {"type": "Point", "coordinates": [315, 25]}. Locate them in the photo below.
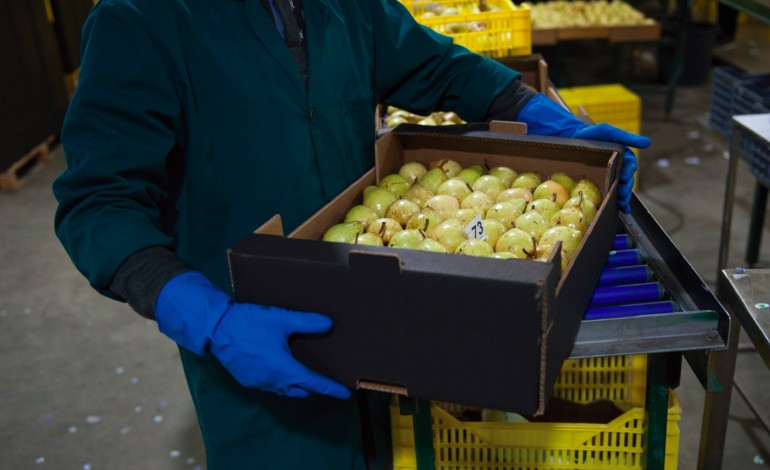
{"type": "Point", "coordinates": [543, 116]}
{"type": "Point", "coordinates": [249, 340]}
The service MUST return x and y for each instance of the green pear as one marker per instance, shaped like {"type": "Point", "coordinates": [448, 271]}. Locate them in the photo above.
{"type": "Point", "coordinates": [477, 200]}
{"type": "Point", "coordinates": [528, 179]}
{"type": "Point", "coordinates": [345, 232]}
{"type": "Point", "coordinates": [409, 239]}
{"type": "Point", "coordinates": [532, 222]}
{"type": "Point", "coordinates": [518, 242]}
{"type": "Point", "coordinates": [385, 228]}
{"type": "Point", "coordinates": [424, 220]}
{"type": "Point", "coordinates": [514, 193]}
{"type": "Point", "coordinates": [470, 174]}
{"type": "Point", "coordinates": [550, 189]}
{"type": "Point", "coordinates": [369, 239]}
{"type": "Point", "coordinates": [507, 212]}
{"type": "Point", "coordinates": [474, 247]}
{"type": "Point", "coordinates": [449, 233]}
{"type": "Point", "coordinates": [412, 171]}
{"type": "Point", "coordinates": [465, 216]}
{"type": "Point", "coordinates": [455, 187]}
{"type": "Point", "coordinates": [361, 213]}
{"type": "Point", "coordinates": [493, 229]}
{"type": "Point", "coordinates": [432, 179]}
{"type": "Point", "coordinates": [585, 205]}
{"type": "Point", "coordinates": [590, 191]}
{"type": "Point", "coordinates": [443, 204]}
{"type": "Point", "coordinates": [492, 186]}
{"type": "Point", "coordinates": [418, 195]}
{"type": "Point", "coordinates": [546, 207]}
{"type": "Point", "coordinates": [571, 217]}
{"type": "Point", "coordinates": [395, 183]}
{"type": "Point", "coordinates": [505, 173]}
{"type": "Point", "coordinates": [402, 210]}
{"type": "Point", "coordinates": [379, 199]}
{"type": "Point", "coordinates": [570, 239]}
{"type": "Point", "coordinates": [450, 167]}
{"type": "Point", "coordinates": [429, 244]}
{"type": "Point", "coordinates": [504, 255]}
{"type": "Point", "coordinates": [563, 179]}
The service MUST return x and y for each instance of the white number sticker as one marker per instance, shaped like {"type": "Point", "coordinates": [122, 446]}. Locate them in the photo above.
{"type": "Point", "coordinates": [475, 229]}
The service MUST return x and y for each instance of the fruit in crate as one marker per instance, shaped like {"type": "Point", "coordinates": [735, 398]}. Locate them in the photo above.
{"type": "Point", "coordinates": [395, 116]}
{"type": "Point", "coordinates": [436, 206]}
{"type": "Point", "coordinates": [568, 13]}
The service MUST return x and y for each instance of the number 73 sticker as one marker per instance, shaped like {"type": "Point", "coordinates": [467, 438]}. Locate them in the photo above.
{"type": "Point", "coordinates": [475, 229]}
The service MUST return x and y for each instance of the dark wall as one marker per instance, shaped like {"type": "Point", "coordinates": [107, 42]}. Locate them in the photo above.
{"type": "Point", "coordinates": [69, 16]}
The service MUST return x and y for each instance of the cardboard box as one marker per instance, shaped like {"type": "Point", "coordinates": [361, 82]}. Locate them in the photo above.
{"type": "Point", "coordinates": [475, 331]}
{"type": "Point", "coordinates": [614, 34]}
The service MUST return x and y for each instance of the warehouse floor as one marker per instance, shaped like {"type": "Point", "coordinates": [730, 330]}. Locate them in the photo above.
{"type": "Point", "coordinates": [88, 384]}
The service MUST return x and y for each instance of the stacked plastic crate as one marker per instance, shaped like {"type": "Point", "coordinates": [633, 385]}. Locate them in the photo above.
{"type": "Point", "coordinates": [612, 103]}
{"type": "Point", "coordinates": [734, 93]}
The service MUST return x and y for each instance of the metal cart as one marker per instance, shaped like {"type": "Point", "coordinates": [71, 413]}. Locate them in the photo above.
{"type": "Point", "coordinates": [699, 328]}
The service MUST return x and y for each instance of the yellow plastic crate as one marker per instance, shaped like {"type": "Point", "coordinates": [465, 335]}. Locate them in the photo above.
{"type": "Point", "coordinates": [617, 445]}
{"type": "Point", "coordinates": [613, 104]}
{"type": "Point", "coordinates": [506, 31]}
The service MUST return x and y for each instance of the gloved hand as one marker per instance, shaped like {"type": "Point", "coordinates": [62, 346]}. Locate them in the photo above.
{"type": "Point", "coordinates": [250, 340]}
{"type": "Point", "coordinates": [544, 116]}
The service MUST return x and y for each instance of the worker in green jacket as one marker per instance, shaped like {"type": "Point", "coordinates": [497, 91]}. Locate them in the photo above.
{"type": "Point", "coordinates": [194, 122]}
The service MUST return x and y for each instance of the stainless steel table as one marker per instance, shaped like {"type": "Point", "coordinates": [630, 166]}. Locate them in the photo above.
{"type": "Point", "coordinates": [748, 295]}
{"type": "Point", "coordinates": [757, 126]}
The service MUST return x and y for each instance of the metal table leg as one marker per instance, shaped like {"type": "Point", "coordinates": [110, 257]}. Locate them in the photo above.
{"type": "Point", "coordinates": [663, 371]}
{"type": "Point", "coordinates": [758, 208]}
{"type": "Point", "coordinates": [423, 430]}
{"type": "Point", "coordinates": [727, 210]}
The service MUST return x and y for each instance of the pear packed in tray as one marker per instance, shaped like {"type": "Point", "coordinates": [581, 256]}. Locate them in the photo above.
{"type": "Point", "coordinates": [493, 212]}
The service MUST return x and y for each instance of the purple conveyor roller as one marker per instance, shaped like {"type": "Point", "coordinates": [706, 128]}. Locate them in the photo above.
{"type": "Point", "coordinates": [630, 310]}
{"type": "Point", "coordinates": [625, 275]}
{"type": "Point", "coordinates": [628, 294]}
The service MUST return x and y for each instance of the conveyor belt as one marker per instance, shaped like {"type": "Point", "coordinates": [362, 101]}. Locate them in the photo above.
{"type": "Point", "coordinates": [649, 299]}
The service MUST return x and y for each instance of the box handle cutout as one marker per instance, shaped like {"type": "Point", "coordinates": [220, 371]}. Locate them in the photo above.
{"type": "Point", "coordinates": [381, 387]}
{"type": "Point", "coordinates": [368, 262]}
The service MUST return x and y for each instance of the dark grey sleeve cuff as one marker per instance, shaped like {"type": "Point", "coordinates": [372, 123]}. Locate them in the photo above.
{"type": "Point", "coordinates": [142, 276]}
{"type": "Point", "coordinates": [507, 106]}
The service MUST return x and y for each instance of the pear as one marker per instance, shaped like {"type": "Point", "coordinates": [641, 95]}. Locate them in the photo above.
{"type": "Point", "coordinates": [418, 195]}
{"type": "Point", "coordinates": [395, 183]}
{"type": "Point", "coordinates": [385, 228]}
{"type": "Point", "coordinates": [504, 255]}
{"type": "Point", "coordinates": [443, 204]}
{"type": "Point", "coordinates": [408, 239]}
{"type": "Point", "coordinates": [474, 247]}
{"type": "Point", "coordinates": [507, 212]}
{"type": "Point", "coordinates": [590, 191]}
{"type": "Point", "coordinates": [345, 232]}
{"type": "Point", "coordinates": [493, 229]}
{"type": "Point", "coordinates": [470, 174]}
{"type": "Point", "coordinates": [477, 200]}
{"type": "Point", "coordinates": [394, 121]}
{"type": "Point", "coordinates": [455, 187]}
{"type": "Point", "coordinates": [532, 222]}
{"type": "Point", "coordinates": [518, 242]}
{"type": "Point", "coordinates": [528, 179]}
{"type": "Point", "coordinates": [369, 239]}
{"type": "Point", "coordinates": [571, 217]}
{"type": "Point", "coordinates": [450, 234]}
{"type": "Point", "coordinates": [505, 173]}
{"type": "Point", "coordinates": [563, 179]}
{"type": "Point", "coordinates": [450, 167]}
{"type": "Point", "coordinates": [379, 199]}
{"type": "Point", "coordinates": [402, 210]}
{"type": "Point", "coordinates": [432, 179]}
{"type": "Point", "coordinates": [514, 193]}
{"type": "Point", "coordinates": [550, 189]}
{"type": "Point", "coordinates": [465, 216]}
{"type": "Point", "coordinates": [545, 206]}
{"type": "Point", "coordinates": [424, 220]}
{"type": "Point", "coordinates": [492, 186]}
{"type": "Point", "coordinates": [412, 171]}
{"type": "Point", "coordinates": [585, 205]}
{"type": "Point", "coordinates": [429, 244]}
{"type": "Point", "coordinates": [361, 213]}
{"type": "Point", "coordinates": [570, 239]}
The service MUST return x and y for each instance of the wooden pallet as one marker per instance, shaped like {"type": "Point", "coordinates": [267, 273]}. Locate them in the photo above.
{"type": "Point", "coordinates": [11, 178]}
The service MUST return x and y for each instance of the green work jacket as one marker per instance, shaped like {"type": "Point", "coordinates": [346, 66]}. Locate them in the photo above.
{"type": "Point", "coordinates": [191, 126]}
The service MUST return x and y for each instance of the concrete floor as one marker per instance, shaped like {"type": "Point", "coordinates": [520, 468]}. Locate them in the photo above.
{"type": "Point", "coordinates": [88, 384]}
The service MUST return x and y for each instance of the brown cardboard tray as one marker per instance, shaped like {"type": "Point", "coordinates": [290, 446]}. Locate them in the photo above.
{"type": "Point", "coordinates": [551, 36]}
{"type": "Point", "coordinates": [475, 331]}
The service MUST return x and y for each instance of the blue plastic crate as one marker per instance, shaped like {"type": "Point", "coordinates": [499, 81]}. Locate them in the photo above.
{"type": "Point", "coordinates": [757, 155]}
{"type": "Point", "coordinates": [754, 98]}
{"type": "Point", "coordinates": [728, 87]}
